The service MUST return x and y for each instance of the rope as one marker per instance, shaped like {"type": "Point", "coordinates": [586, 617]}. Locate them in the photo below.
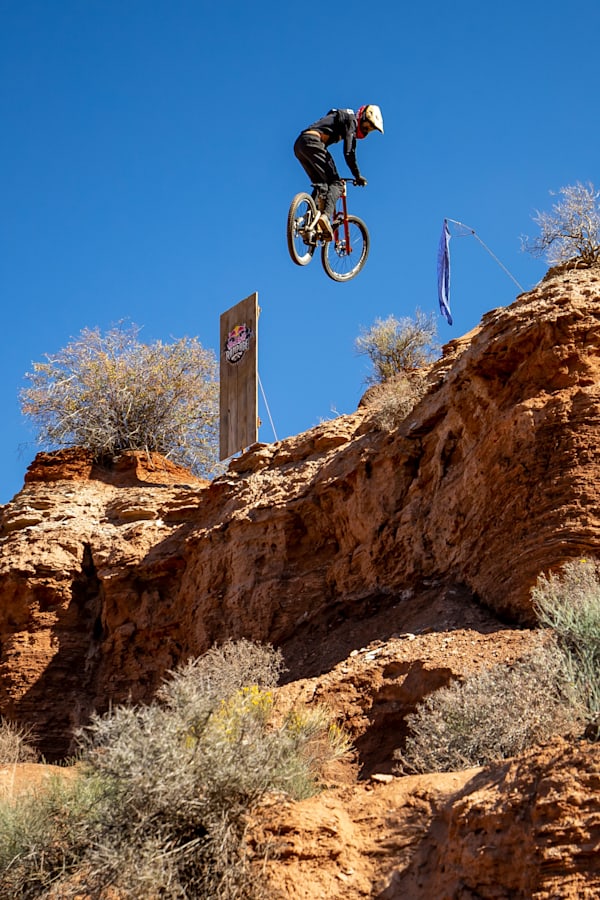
{"type": "Point", "coordinates": [493, 255]}
{"type": "Point", "coordinates": [262, 390]}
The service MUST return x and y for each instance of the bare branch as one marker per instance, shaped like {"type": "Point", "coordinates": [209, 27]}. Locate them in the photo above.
{"type": "Point", "coordinates": [571, 230]}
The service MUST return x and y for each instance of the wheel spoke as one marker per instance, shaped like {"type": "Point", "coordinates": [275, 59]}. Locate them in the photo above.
{"type": "Point", "coordinates": [301, 214]}
{"type": "Point", "coordinates": [344, 258]}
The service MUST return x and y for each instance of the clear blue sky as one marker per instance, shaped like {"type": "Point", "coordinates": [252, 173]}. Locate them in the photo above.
{"type": "Point", "coordinates": [146, 169]}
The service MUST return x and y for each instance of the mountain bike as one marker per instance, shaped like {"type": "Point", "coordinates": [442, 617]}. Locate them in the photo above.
{"type": "Point", "coordinates": [345, 255]}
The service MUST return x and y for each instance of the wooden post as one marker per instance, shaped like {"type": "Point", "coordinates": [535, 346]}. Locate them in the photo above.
{"type": "Point", "coordinates": [239, 377]}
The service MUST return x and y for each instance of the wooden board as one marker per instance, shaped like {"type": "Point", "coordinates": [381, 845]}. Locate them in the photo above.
{"type": "Point", "coordinates": [239, 377]}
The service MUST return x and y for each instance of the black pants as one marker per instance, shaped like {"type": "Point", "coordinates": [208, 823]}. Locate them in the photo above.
{"type": "Point", "coordinates": [318, 163]}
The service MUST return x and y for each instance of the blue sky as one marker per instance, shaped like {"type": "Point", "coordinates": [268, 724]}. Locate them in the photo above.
{"type": "Point", "coordinates": [146, 169]}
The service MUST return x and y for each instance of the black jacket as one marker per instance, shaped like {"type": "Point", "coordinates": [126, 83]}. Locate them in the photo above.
{"type": "Point", "coordinates": [340, 125]}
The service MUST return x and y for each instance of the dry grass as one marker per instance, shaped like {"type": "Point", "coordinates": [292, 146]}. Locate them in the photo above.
{"type": "Point", "coordinates": [15, 744]}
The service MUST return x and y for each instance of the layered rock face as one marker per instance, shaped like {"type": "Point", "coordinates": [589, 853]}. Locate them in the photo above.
{"type": "Point", "coordinates": [110, 578]}
{"type": "Point", "coordinates": [523, 829]}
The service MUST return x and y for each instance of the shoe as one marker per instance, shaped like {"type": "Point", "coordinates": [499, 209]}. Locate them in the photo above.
{"type": "Point", "coordinates": [325, 227]}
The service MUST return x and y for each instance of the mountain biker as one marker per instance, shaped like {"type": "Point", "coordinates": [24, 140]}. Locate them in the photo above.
{"type": "Point", "coordinates": [311, 151]}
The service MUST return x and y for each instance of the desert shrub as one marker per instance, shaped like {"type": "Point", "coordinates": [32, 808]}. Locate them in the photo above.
{"type": "Point", "coordinates": [571, 230]}
{"type": "Point", "coordinates": [398, 345]}
{"type": "Point", "coordinates": [490, 715]}
{"type": "Point", "coordinates": [569, 604]}
{"type": "Point", "coordinates": [396, 398]}
{"type": "Point", "coordinates": [45, 835]}
{"type": "Point", "coordinates": [221, 672]}
{"type": "Point", "coordinates": [15, 744]}
{"type": "Point", "coordinates": [110, 392]}
{"type": "Point", "coordinates": [179, 777]}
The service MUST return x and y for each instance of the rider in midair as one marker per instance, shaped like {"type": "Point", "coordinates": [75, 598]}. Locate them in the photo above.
{"type": "Point", "coordinates": [316, 160]}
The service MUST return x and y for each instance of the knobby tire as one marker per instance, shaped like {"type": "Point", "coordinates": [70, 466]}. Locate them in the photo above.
{"type": "Point", "coordinates": [337, 262]}
{"type": "Point", "coordinates": [301, 213]}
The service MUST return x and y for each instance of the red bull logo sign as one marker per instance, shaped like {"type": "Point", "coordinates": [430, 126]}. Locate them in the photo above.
{"type": "Point", "coordinates": [237, 343]}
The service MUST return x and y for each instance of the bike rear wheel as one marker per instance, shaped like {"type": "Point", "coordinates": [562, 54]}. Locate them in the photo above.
{"type": "Point", "coordinates": [343, 260]}
{"type": "Point", "coordinates": [301, 238]}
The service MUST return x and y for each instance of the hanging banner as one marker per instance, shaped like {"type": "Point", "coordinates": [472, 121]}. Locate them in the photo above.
{"type": "Point", "coordinates": [239, 377]}
{"type": "Point", "coordinates": [444, 272]}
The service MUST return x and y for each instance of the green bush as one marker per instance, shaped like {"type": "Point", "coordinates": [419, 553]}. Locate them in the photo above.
{"type": "Point", "coordinates": [175, 780]}
{"type": "Point", "coordinates": [398, 345]}
{"type": "Point", "coordinates": [491, 715]}
{"type": "Point", "coordinates": [569, 604]}
{"type": "Point", "coordinates": [110, 392]}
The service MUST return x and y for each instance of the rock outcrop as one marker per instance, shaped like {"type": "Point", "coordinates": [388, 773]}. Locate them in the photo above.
{"type": "Point", "coordinates": [110, 578]}
{"type": "Point", "coordinates": [524, 829]}
{"type": "Point", "coordinates": [383, 563]}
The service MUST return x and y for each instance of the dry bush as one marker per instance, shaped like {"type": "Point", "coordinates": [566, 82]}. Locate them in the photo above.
{"type": "Point", "coordinates": [15, 744]}
{"type": "Point", "coordinates": [571, 230]}
{"type": "Point", "coordinates": [398, 345]}
{"type": "Point", "coordinates": [45, 836]}
{"type": "Point", "coordinates": [394, 400]}
{"type": "Point", "coordinates": [221, 672]}
{"type": "Point", "coordinates": [492, 715]}
{"type": "Point", "coordinates": [111, 393]}
{"type": "Point", "coordinates": [175, 780]}
{"type": "Point", "coordinates": [569, 604]}
{"type": "Point", "coordinates": [187, 771]}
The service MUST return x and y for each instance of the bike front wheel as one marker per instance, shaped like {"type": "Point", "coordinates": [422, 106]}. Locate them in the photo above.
{"type": "Point", "coordinates": [346, 254]}
{"type": "Point", "coordinates": [301, 237]}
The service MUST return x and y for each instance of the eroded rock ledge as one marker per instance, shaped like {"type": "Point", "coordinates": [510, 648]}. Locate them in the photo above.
{"type": "Point", "coordinates": [111, 577]}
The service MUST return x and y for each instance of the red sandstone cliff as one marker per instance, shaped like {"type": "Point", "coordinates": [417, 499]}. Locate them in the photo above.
{"type": "Point", "coordinates": [383, 564]}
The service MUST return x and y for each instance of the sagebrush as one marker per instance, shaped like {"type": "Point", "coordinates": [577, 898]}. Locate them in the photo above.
{"type": "Point", "coordinates": [111, 392]}
{"type": "Point", "coordinates": [173, 784]}
{"type": "Point", "coordinates": [491, 715]}
{"type": "Point", "coordinates": [568, 603]}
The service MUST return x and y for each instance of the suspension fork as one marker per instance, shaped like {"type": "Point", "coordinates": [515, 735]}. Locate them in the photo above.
{"type": "Point", "coordinates": [345, 225]}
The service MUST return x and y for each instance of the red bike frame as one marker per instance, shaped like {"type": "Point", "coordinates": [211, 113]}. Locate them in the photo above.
{"type": "Point", "coordinates": [344, 222]}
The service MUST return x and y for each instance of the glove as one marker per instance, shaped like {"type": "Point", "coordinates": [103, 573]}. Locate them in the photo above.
{"type": "Point", "coordinates": [360, 181]}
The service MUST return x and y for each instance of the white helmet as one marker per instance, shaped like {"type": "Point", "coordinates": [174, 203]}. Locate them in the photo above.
{"type": "Point", "coordinates": [371, 118]}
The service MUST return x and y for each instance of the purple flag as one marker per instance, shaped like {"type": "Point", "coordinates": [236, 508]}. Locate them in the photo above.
{"type": "Point", "coordinates": [443, 263]}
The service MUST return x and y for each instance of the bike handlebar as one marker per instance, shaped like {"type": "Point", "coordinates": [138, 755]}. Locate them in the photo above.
{"type": "Point", "coordinates": [353, 180]}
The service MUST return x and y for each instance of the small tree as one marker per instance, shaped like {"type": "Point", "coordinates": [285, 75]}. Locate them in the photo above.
{"type": "Point", "coordinates": [571, 230]}
{"type": "Point", "coordinates": [398, 345]}
{"type": "Point", "coordinates": [110, 392]}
